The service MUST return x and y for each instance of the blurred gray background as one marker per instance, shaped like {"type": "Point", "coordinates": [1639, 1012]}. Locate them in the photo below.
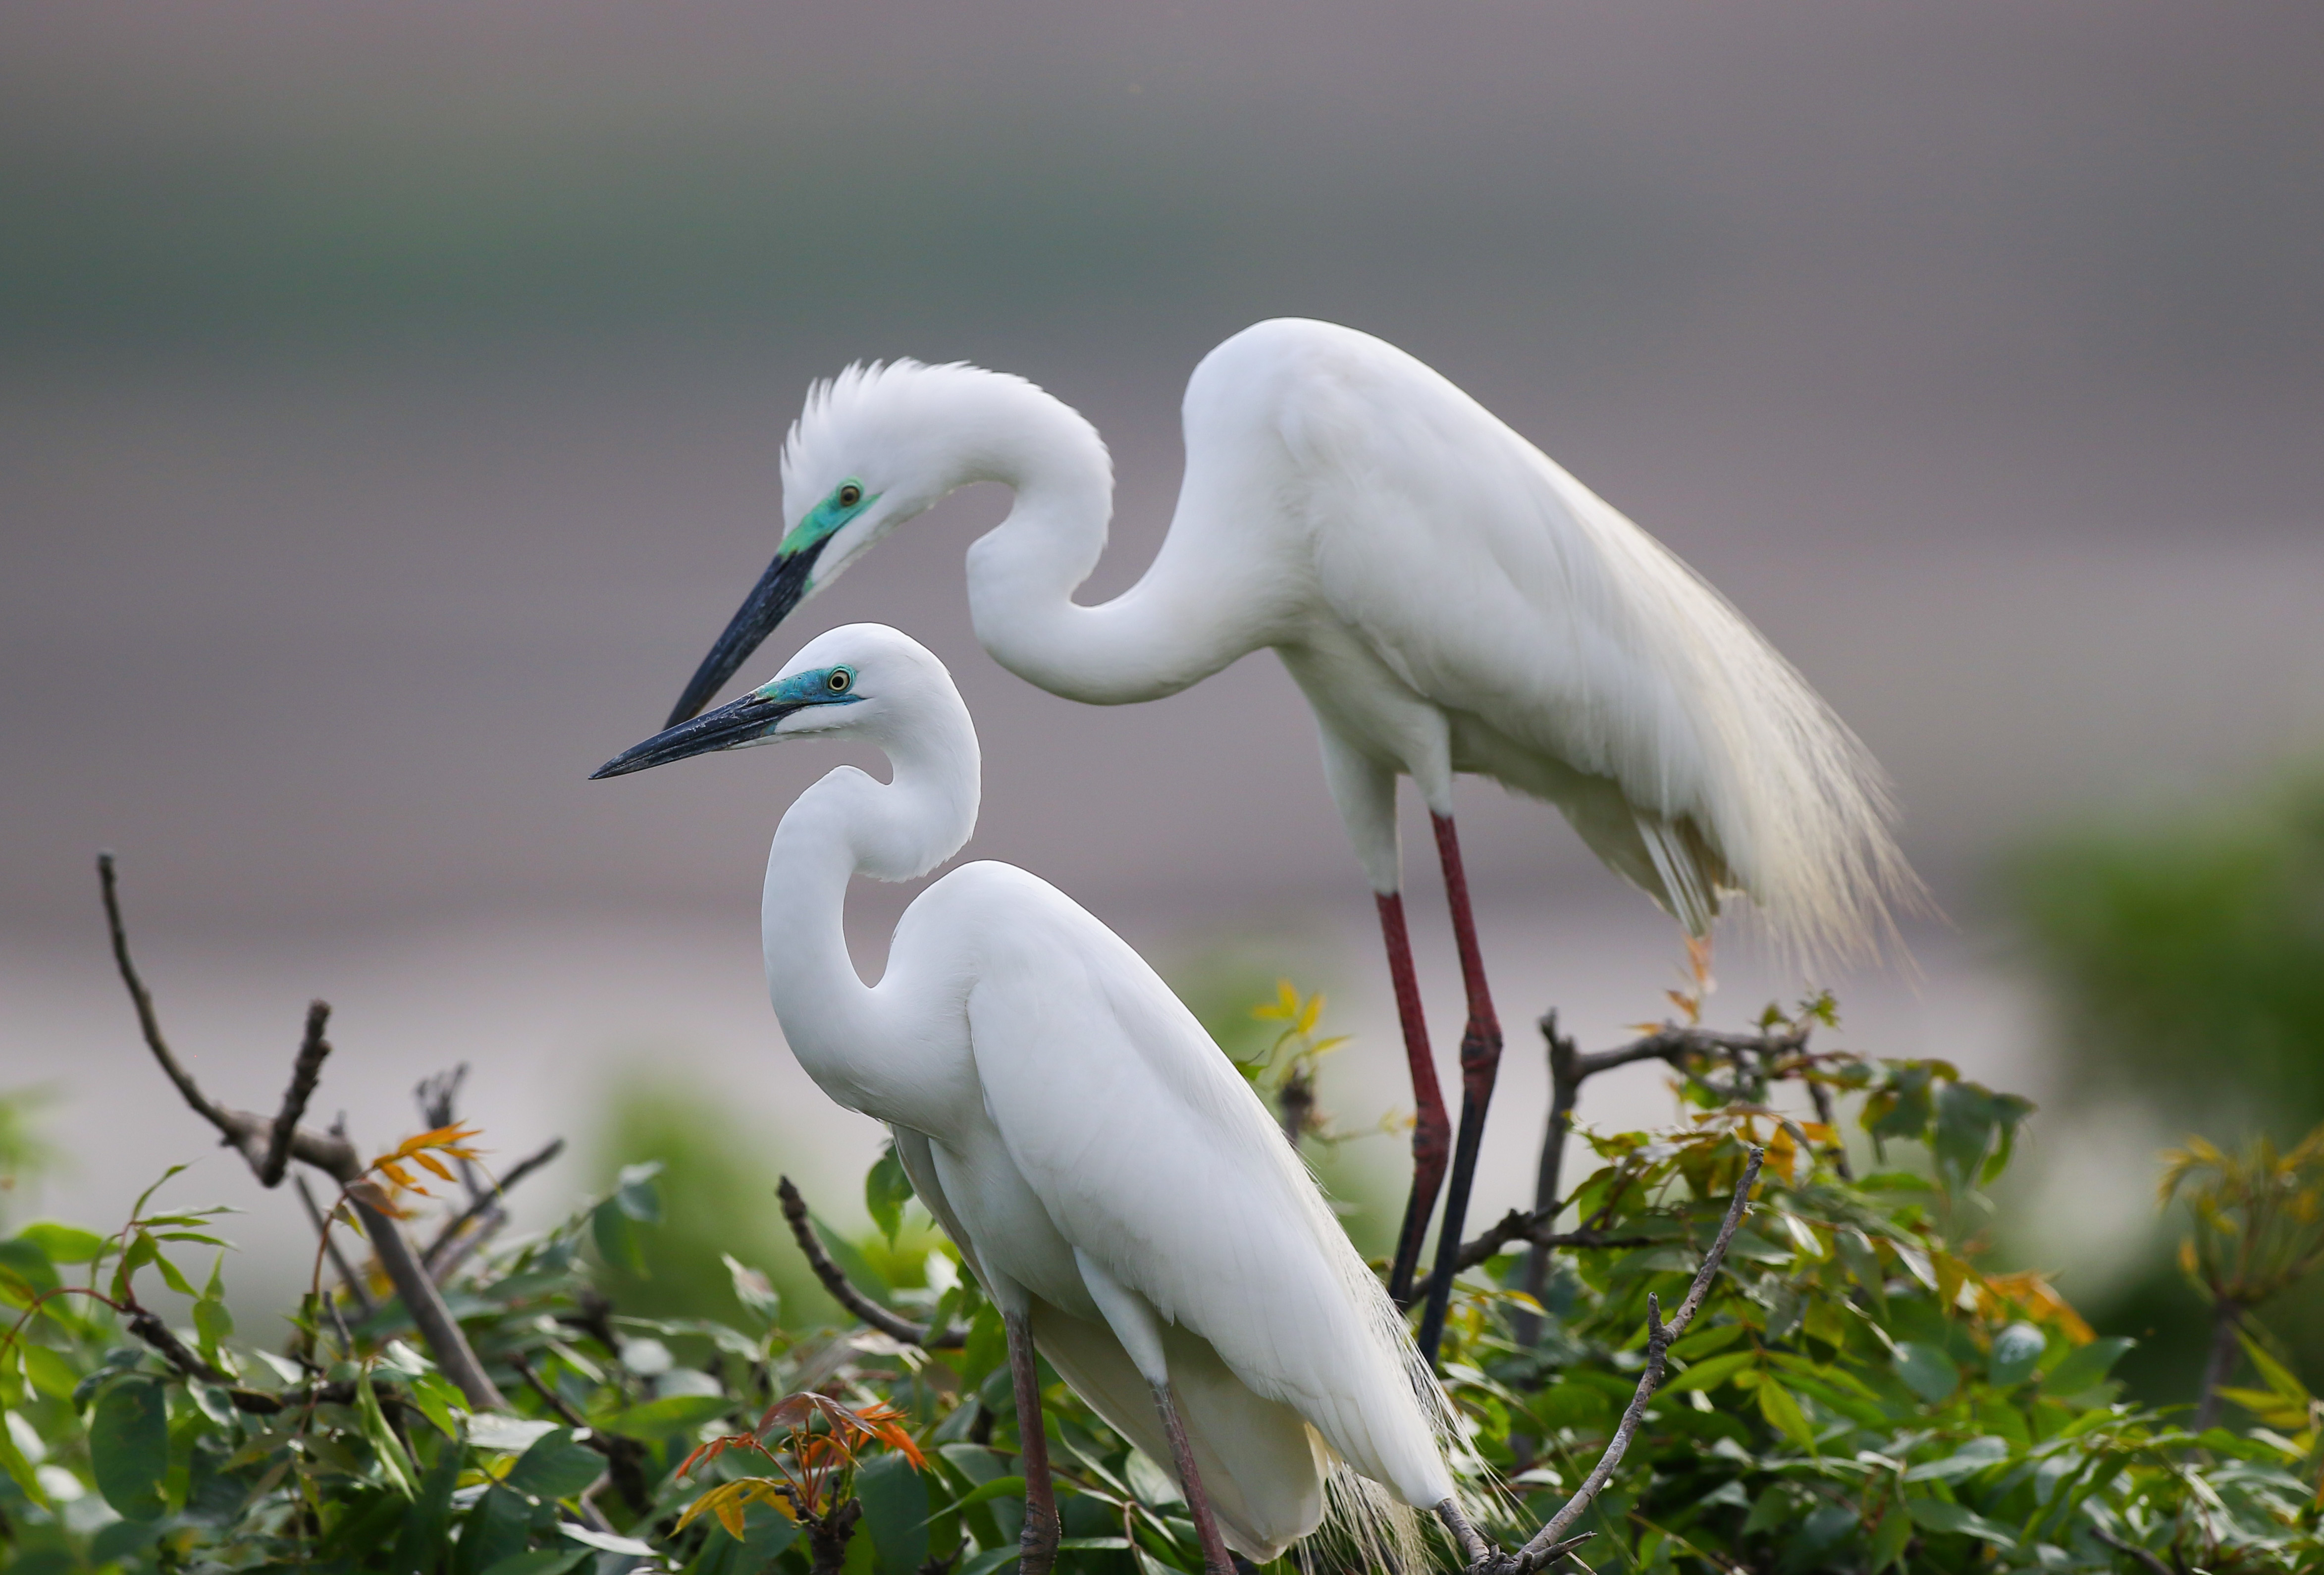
{"type": "Point", "coordinates": [392, 398]}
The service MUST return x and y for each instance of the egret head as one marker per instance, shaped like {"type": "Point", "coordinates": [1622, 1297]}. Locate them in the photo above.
{"type": "Point", "coordinates": [874, 447]}
{"type": "Point", "coordinates": [864, 680]}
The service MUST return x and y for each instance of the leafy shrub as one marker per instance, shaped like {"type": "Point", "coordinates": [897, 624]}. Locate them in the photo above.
{"type": "Point", "coordinates": [1858, 1394]}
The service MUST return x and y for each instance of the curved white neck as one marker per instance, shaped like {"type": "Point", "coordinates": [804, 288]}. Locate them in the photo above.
{"type": "Point", "coordinates": [1189, 615]}
{"type": "Point", "coordinates": [843, 1030]}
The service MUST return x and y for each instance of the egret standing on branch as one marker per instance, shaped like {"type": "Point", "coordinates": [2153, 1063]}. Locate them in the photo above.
{"type": "Point", "coordinates": [1109, 1176]}
{"type": "Point", "coordinates": [1448, 598]}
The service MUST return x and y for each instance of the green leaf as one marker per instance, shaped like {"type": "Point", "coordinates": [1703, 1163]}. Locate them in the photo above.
{"type": "Point", "coordinates": [1938, 1515]}
{"type": "Point", "coordinates": [2273, 1373]}
{"type": "Point", "coordinates": [1890, 1539]}
{"type": "Point", "coordinates": [557, 1465]}
{"type": "Point", "coordinates": [495, 1530]}
{"type": "Point", "coordinates": [393, 1464]}
{"type": "Point", "coordinates": [636, 1195]}
{"type": "Point", "coordinates": [754, 1290]}
{"type": "Point", "coordinates": [2087, 1366]}
{"type": "Point", "coordinates": [137, 1209]}
{"type": "Point", "coordinates": [1778, 1406]}
{"type": "Point", "coordinates": [671, 1413]}
{"type": "Point", "coordinates": [895, 1511]}
{"type": "Point", "coordinates": [2016, 1350]}
{"type": "Point", "coordinates": [49, 1371]}
{"type": "Point", "coordinates": [19, 1469]}
{"type": "Point", "coordinates": [616, 1234]}
{"type": "Point", "coordinates": [1711, 1372]}
{"type": "Point", "coordinates": [140, 1253]}
{"type": "Point", "coordinates": [27, 1269]}
{"type": "Point", "coordinates": [170, 1276]}
{"type": "Point", "coordinates": [886, 1190]}
{"type": "Point", "coordinates": [62, 1243]}
{"type": "Point", "coordinates": [439, 1400]}
{"type": "Point", "coordinates": [129, 1446]}
{"type": "Point", "coordinates": [1966, 1119]}
{"type": "Point", "coordinates": [998, 1487]}
{"type": "Point", "coordinates": [419, 1541]}
{"type": "Point", "coordinates": [212, 1322]}
{"type": "Point", "coordinates": [1971, 1458]}
{"type": "Point", "coordinates": [1927, 1371]}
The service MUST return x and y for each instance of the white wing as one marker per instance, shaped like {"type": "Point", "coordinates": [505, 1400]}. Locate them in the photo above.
{"type": "Point", "coordinates": [1564, 639]}
{"type": "Point", "coordinates": [1153, 1156]}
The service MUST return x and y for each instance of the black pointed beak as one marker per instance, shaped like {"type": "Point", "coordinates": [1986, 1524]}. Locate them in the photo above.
{"type": "Point", "coordinates": [770, 601]}
{"type": "Point", "coordinates": [730, 726]}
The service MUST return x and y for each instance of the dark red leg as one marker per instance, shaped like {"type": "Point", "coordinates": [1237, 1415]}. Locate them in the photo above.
{"type": "Point", "coordinates": [1215, 1558]}
{"type": "Point", "coordinates": [1432, 1130]}
{"type": "Point", "coordinates": [1481, 1063]}
{"type": "Point", "coordinates": [1038, 1540]}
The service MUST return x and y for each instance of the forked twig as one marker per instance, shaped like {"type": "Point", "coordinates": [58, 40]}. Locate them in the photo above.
{"type": "Point", "coordinates": [1546, 1543]}
{"type": "Point", "coordinates": [844, 1292]}
{"type": "Point", "coordinates": [255, 1137]}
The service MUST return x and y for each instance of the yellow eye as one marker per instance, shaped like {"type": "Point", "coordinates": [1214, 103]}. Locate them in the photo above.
{"type": "Point", "coordinates": [839, 680]}
{"type": "Point", "coordinates": [849, 494]}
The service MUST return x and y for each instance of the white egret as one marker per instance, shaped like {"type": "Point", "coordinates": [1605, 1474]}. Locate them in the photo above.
{"type": "Point", "coordinates": [1448, 598]}
{"type": "Point", "coordinates": [1110, 1178]}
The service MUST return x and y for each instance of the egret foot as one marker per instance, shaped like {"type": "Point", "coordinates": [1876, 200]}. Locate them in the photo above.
{"type": "Point", "coordinates": [1038, 1542]}
{"type": "Point", "coordinates": [1479, 1556]}
{"type": "Point", "coordinates": [1216, 1560]}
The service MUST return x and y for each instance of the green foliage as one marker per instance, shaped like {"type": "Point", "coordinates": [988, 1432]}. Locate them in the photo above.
{"type": "Point", "coordinates": [1861, 1392]}
{"type": "Point", "coordinates": [2183, 960]}
{"type": "Point", "coordinates": [2187, 957]}
{"type": "Point", "coordinates": [23, 1157]}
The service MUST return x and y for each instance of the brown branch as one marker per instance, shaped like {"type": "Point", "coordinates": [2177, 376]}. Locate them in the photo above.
{"type": "Point", "coordinates": [486, 1203]}
{"type": "Point", "coordinates": [1528, 1226]}
{"type": "Point", "coordinates": [255, 1137]}
{"type": "Point", "coordinates": [2143, 1555]}
{"type": "Point", "coordinates": [147, 1019]}
{"type": "Point", "coordinates": [434, 1321]}
{"type": "Point", "coordinates": [305, 1072]}
{"type": "Point", "coordinates": [624, 1456]}
{"type": "Point", "coordinates": [157, 1334]}
{"type": "Point", "coordinates": [2219, 1366]}
{"type": "Point", "coordinates": [150, 1328]}
{"type": "Point", "coordinates": [551, 1397]}
{"type": "Point", "coordinates": [1544, 1544]}
{"type": "Point", "coordinates": [834, 1280]}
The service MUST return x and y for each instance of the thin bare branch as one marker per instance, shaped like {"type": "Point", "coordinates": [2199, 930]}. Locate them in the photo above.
{"type": "Point", "coordinates": [446, 1238]}
{"type": "Point", "coordinates": [1546, 1543]}
{"type": "Point", "coordinates": [550, 1396]}
{"type": "Point", "coordinates": [305, 1072]}
{"type": "Point", "coordinates": [1528, 1226]}
{"type": "Point", "coordinates": [842, 1291]}
{"type": "Point", "coordinates": [354, 1282]}
{"type": "Point", "coordinates": [143, 999]}
{"type": "Point", "coordinates": [255, 1137]}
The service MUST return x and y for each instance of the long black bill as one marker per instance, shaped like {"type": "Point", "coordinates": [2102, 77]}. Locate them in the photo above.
{"type": "Point", "coordinates": [770, 601]}
{"type": "Point", "coordinates": [730, 726]}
